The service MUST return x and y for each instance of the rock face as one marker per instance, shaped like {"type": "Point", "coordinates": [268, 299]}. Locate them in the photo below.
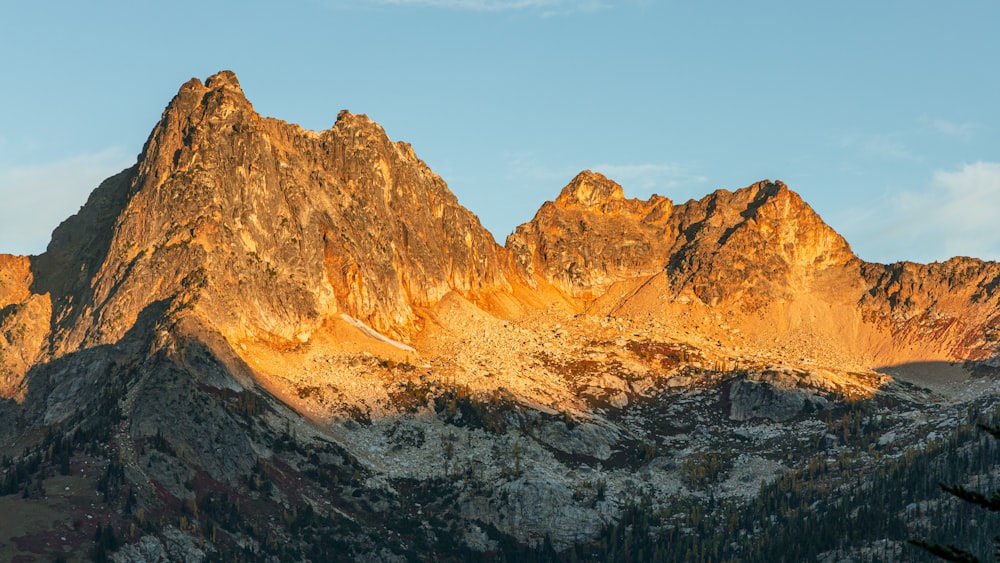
{"type": "Point", "coordinates": [759, 242]}
{"type": "Point", "coordinates": [311, 321]}
{"type": "Point", "coordinates": [766, 258]}
{"type": "Point", "coordinates": [952, 305]}
{"type": "Point", "coordinates": [762, 399]}
{"type": "Point", "coordinates": [264, 229]}
{"type": "Point", "coordinates": [24, 323]}
{"type": "Point", "coordinates": [761, 239]}
{"type": "Point", "coordinates": [592, 236]}
{"type": "Point", "coordinates": [340, 221]}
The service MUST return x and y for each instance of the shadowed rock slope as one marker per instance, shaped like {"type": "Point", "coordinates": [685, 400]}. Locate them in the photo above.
{"type": "Point", "coordinates": [295, 319]}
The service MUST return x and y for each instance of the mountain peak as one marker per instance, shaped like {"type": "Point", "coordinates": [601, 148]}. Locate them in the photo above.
{"type": "Point", "coordinates": [218, 96]}
{"type": "Point", "coordinates": [589, 190]}
{"type": "Point", "coordinates": [307, 226]}
{"type": "Point", "coordinates": [262, 316]}
{"type": "Point", "coordinates": [223, 79]}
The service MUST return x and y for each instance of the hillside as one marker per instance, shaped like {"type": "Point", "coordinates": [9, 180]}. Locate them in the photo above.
{"type": "Point", "coordinates": [260, 335]}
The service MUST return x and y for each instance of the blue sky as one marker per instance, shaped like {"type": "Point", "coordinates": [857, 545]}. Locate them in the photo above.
{"type": "Point", "coordinates": [882, 115]}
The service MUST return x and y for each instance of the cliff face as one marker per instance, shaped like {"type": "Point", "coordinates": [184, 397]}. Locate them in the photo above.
{"type": "Point", "coordinates": [252, 302]}
{"type": "Point", "coordinates": [293, 226]}
{"type": "Point", "coordinates": [763, 257]}
{"type": "Point", "coordinates": [953, 305]}
{"type": "Point", "coordinates": [266, 232]}
{"type": "Point", "coordinates": [762, 238]}
{"type": "Point", "coordinates": [264, 228]}
{"type": "Point", "coordinates": [758, 243]}
{"type": "Point", "coordinates": [24, 322]}
{"type": "Point", "coordinates": [592, 236]}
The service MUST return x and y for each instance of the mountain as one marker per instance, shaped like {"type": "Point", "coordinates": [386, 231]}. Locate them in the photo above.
{"type": "Point", "coordinates": [766, 261]}
{"type": "Point", "coordinates": [262, 341]}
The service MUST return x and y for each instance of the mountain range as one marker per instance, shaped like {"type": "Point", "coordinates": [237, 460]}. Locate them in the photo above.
{"type": "Point", "coordinates": [266, 343]}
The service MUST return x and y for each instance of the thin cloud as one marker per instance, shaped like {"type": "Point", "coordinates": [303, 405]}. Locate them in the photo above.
{"type": "Point", "coordinates": [547, 7]}
{"type": "Point", "coordinates": [964, 131]}
{"type": "Point", "coordinates": [522, 166]}
{"type": "Point", "coordinates": [647, 178]}
{"type": "Point", "coordinates": [637, 179]}
{"type": "Point", "coordinates": [39, 197]}
{"type": "Point", "coordinates": [954, 216]}
{"type": "Point", "coordinates": [970, 215]}
{"type": "Point", "coordinates": [880, 146]}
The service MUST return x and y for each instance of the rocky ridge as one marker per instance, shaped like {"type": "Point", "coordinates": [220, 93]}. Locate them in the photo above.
{"type": "Point", "coordinates": [256, 302]}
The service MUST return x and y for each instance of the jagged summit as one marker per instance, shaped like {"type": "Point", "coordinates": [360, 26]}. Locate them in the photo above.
{"type": "Point", "coordinates": [590, 190]}
{"type": "Point", "coordinates": [223, 79]}
{"type": "Point", "coordinates": [592, 236]}
{"type": "Point", "coordinates": [266, 232]}
{"type": "Point", "coordinates": [262, 231]}
{"type": "Point", "coordinates": [310, 326]}
{"type": "Point", "coordinates": [221, 92]}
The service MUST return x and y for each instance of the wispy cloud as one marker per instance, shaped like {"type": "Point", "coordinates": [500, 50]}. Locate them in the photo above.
{"type": "Point", "coordinates": [36, 198]}
{"type": "Point", "coordinates": [964, 131]}
{"type": "Point", "coordinates": [955, 215]}
{"type": "Point", "coordinates": [969, 216]}
{"type": "Point", "coordinates": [637, 179]}
{"type": "Point", "coordinates": [521, 166]}
{"type": "Point", "coordinates": [546, 7]}
{"type": "Point", "coordinates": [880, 146]}
{"type": "Point", "coordinates": [650, 177]}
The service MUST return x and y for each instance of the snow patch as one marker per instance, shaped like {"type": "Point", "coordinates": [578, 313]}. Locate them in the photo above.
{"type": "Point", "coordinates": [372, 333]}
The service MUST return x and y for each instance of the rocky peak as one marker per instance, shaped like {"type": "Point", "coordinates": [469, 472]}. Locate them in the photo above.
{"type": "Point", "coordinates": [217, 97]}
{"type": "Point", "coordinates": [770, 216]}
{"type": "Point", "coordinates": [223, 79]}
{"type": "Point", "coordinates": [722, 245]}
{"type": "Point", "coordinates": [265, 230]}
{"type": "Point", "coordinates": [356, 121]}
{"type": "Point", "coordinates": [759, 243]}
{"type": "Point", "coordinates": [590, 190]}
{"type": "Point", "coordinates": [592, 236]}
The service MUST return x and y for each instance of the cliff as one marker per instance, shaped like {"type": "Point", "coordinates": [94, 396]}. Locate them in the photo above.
{"type": "Point", "coordinates": [253, 302]}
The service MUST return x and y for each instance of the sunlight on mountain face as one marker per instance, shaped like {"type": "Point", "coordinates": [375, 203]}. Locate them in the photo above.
{"type": "Point", "coordinates": [260, 331]}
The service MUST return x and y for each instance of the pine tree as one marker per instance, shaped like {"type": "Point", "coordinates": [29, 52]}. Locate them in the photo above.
{"type": "Point", "coordinates": [992, 503]}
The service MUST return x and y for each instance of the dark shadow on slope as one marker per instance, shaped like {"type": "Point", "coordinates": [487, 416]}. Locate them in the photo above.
{"type": "Point", "coordinates": [765, 194]}
{"type": "Point", "coordinates": [69, 389]}
{"type": "Point", "coordinates": [165, 412]}
{"type": "Point", "coordinates": [235, 455]}
{"type": "Point", "coordinates": [78, 249]}
{"type": "Point", "coordinates": [65, 271]}
{"type": "Point", "coordinates": [938, 376]}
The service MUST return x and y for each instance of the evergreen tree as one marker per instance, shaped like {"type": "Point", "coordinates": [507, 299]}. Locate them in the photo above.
{"type": "Point", "coordinates": [992, 503]}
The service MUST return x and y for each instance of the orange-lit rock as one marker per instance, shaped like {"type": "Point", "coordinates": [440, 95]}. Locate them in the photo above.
{"type": "Point", "coordinates": [255, 302]}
